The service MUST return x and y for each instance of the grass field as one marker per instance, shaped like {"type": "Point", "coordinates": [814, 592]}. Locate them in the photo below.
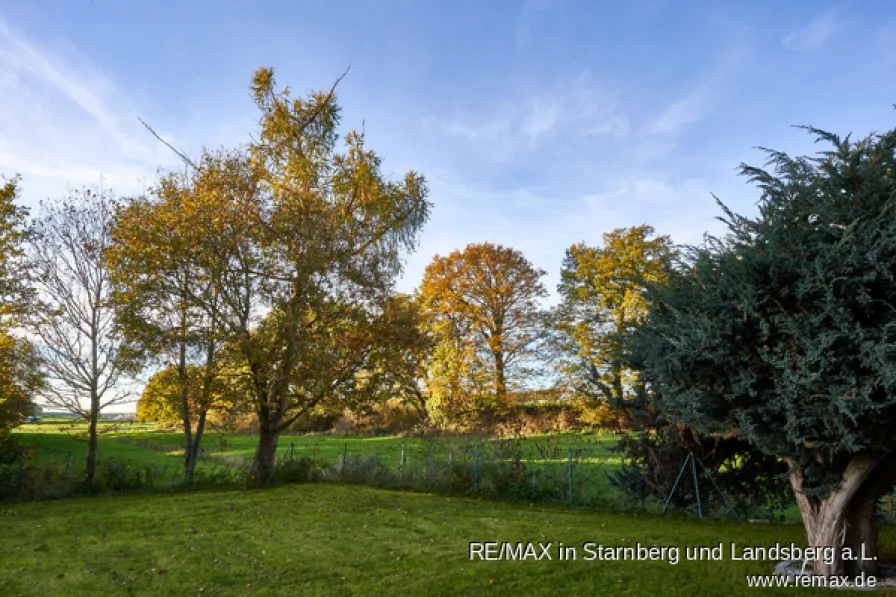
{"type": "Point", "coordinates": [330, 539]}
{"type": "Point", "coordinates": [543, 456]}
{"type": "Point", "coordinates": [141, 444]}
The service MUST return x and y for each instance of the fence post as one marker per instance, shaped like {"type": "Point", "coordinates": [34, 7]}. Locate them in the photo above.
{"type": "Point", "coordinates": [475, 467]}
{"type": "Point", "coordinates": [401, 460]}
{"type": "Point", "coordinates": [344, 455]}
{"type": "Point", "coordinates": [292, 447]}
{"type": "Point", "coordinates": [569, 473]}
{"type": "Point", "coordinates": [696, 485]}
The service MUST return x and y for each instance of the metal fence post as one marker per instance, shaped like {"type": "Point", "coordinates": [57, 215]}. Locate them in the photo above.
{"type": "Point", "coordinates": [677, 479]}
{"type": "Point", "coordinates": [344, 455]}
{"type": "Point", "coordinates": [569, 473]}
{"type": "Point", "coordinates": [696, 485]}
{"type": "Point", "coordinates": [401, 460]}
{"type": "Point", "coordinates": [475, 467]}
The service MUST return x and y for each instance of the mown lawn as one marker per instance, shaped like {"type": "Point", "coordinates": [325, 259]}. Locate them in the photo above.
{"type": "Point", "coordinates": [328, 539]}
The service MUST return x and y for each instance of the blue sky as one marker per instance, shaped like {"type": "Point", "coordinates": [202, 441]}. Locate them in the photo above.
{"type": "Point", "coordinates": [538, 123]}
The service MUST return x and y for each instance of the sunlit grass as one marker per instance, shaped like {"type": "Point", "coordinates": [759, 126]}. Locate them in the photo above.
{"type": "Point", "coordinates": [329, 539]}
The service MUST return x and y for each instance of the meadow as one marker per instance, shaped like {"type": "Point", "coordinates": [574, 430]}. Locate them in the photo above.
{"type": "Point", "coordinates": [327, 539]}
{"type": "Point", "coordinates": [588, 455]}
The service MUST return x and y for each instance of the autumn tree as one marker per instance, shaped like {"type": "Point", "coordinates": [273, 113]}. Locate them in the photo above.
{"type": "Point", "coordinates": [167, 266]}
{"type": "Point", "coordinates": [161, 399]}
{"type": "Point", "coordinates": [781, 334]}
{"type": "Point", "coordinates": [399, 361]}
{"type": "Point", "coordinates": [307, 241]}
{"type": "Point", "coordinates": [20, 377]}
{"type": "Point", "coordinates": [83, 355]}
{"type": "Point", "coordinates": [483, 305]}
{"type": "Point", "coordinates": [602, 300]}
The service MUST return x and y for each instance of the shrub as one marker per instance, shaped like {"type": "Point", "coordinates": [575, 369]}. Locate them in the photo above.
{"type": "Point", "coordinates": [753, 483]}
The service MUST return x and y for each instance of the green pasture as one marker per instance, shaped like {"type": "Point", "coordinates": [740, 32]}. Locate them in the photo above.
{"type": "Point", "coordinates": [141, 442]}
{"type": "Point", "coordinates": [143, 445]}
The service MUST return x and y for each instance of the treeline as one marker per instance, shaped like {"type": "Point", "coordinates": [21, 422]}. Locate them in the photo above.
{"type": "Point", "coordinates": [475, 349]}
{"type": "Point", "coordinates": [258, 284]}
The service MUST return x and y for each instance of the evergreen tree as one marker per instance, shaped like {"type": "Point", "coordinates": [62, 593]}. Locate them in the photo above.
{"type": "Point", "coordinates": [783, 334]}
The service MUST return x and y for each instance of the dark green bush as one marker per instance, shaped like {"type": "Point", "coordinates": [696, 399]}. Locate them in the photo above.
{"type": "Point", "coordinates": [750, 482]}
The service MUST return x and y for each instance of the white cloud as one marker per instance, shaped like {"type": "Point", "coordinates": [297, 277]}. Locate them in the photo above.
{"type": "Point", "coordinates": [814, 34]}
{"type": "Point", "coordinates": [465, 214]}
{"type": "Point", "coordinates": [64, 122]}
{"type": "Point", "coordinates": [682, 112]}
{"type": "Point", "coordinates": [581, 108]}
{"type": "Point", "coordinates": [526, 19]}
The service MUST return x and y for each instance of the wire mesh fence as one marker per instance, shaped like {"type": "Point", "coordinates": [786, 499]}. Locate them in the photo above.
{"type": "Point", "coordinates": [571, 472]}
{"type": "Point", "coordinates": [566, 469]}
{"type": "Point", "coordinates": [41, 473]}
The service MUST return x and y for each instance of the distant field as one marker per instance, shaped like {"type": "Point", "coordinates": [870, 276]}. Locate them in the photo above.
{"type": "Point", "coordinates": [143, 445]}
{"type": "Point", "coordinates": [57, 439]}
{"type": "Point", "coordinates": [329, 539]}
{"type": "Point", "coordinates": [142, 441]}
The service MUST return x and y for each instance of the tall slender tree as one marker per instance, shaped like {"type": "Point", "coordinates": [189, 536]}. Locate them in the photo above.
{"type": "Point", "coordinates": [305, 242]}
{"type": "Point", "coordinates": [166, 268]}
{"type": "Point", "coordinates": [83, 355]}
{"type": "Point", "coordinates": [20, 377]}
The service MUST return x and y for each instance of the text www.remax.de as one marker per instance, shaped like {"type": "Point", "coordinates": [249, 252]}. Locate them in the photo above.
{"type": "Point", "coordinates": [774, 580]}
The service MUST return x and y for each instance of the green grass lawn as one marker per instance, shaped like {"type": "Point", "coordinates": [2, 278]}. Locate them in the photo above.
{"type": "Point", "coordinates": [328, 539]}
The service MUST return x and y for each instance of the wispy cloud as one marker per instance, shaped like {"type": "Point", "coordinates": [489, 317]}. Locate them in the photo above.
{"type": "Point", "coordinates": [813, 35]}
{"type": "Point", "coordinates": [682, 112]}
{"type": "Point", "coordinates": [64, 122]}
{"type": "Point", "coordinates": [558, 218]}
{"type": "Point", "coordinates": [526, 19]}
{"type": "Point", "coordinates": [580, 108]}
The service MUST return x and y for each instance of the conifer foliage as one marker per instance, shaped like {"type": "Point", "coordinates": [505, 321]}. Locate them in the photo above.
{"type": "Point", "coordinates": [783, 333]}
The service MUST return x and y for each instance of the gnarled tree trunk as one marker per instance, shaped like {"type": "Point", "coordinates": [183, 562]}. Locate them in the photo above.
{"type": "Point", "coordinates": [861, 522]}
{"type": "Point", "coordinates": [854, 501]}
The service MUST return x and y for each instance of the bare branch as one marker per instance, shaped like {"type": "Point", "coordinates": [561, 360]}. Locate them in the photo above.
{"type": "Point", "coordinates": [171, 147]}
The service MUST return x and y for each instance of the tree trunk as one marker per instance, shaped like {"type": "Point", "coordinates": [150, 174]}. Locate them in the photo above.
{"type": "Point", "coordinates": [826, 521]}
{"type": "Point", "coordinates": [861, 522]}
{"type": "Point", "coordinates": [90, 466]}
{"type": "Point", "coordinates": [188, 438]}
{"type": "Point", "coordinates": [197, 442]}
{"type": "Point", "coordinates": [618, 396]}
{"type": "Point", "coordinates": [861, 534]}
{"type": "Point", "coordinates": [185, 409]}
{"type": "Point", "coordinates": [263, 463]}
{"type": "Point", "coordinates": [500, 382]}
